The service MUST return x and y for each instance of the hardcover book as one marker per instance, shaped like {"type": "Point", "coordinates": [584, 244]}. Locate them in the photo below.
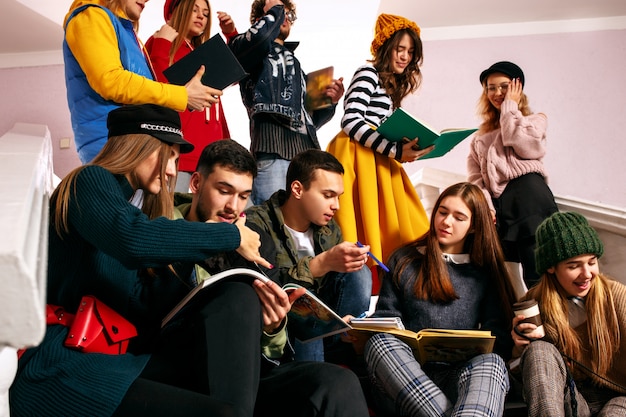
{"type": "Point", "coordinates": [439, 345]}
{"type": "Point", "coordinates": [221, 67]}
{"type": "Point", "coordinates": [401, 124]}
{"type": "Point", "coordinates": [316, 83]}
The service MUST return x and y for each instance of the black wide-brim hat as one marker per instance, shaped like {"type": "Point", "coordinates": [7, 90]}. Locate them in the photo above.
{"type": "Point", "coordinates": [503, 67]}
{"type": "Point", "coordinates": [149, 119]}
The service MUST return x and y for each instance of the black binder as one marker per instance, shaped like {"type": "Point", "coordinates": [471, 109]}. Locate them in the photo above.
{"type": "Point", "coordinates": [221, 67]}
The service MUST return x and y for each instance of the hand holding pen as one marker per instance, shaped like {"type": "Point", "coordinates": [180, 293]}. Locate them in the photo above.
{"type": "Point", "coordinates": [382, 265]}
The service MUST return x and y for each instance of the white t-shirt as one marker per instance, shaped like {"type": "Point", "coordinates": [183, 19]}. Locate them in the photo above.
{"type": "Point", "coordinates": [303, 241]}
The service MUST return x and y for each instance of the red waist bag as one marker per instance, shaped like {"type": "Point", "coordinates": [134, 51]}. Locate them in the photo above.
{"type": "Point", "coordinates": [97, 328]}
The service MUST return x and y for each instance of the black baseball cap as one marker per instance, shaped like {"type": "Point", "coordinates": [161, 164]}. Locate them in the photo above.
{"type": "Point", "coordinates": [150, 119]}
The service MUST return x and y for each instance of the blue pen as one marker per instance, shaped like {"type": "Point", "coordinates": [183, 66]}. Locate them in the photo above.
{"type": "Point", "coordinates": [382, 265]}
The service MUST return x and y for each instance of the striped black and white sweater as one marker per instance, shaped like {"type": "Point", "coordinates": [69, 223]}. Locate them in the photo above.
{"type": "Point", "coordinates": [366, 106]}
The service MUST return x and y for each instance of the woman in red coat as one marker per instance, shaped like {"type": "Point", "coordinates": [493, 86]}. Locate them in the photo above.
{"type": "Point", "coordinates": [188, 25]}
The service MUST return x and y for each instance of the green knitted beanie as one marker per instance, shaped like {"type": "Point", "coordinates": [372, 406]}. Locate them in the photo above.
{"type": "Point", "coordinates": [564, 235]}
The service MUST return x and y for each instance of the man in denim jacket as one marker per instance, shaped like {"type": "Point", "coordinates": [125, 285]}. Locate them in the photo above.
{"type": "Point", "coordinates": [274, 93]}
{"type": "Point", "coordinates": [309, 246]}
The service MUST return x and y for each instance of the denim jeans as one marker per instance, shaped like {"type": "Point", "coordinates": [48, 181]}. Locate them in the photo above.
{"type": "Point", "coordinates": [346, 293]}
{"type": "Point", "coordinates": [271, 176]}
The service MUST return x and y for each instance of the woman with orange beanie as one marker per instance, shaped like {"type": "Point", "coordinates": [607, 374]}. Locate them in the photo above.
{"type": "Point", "coordinates": [188, 25]}
{"type": "Point", "coordinates": [380, 206]}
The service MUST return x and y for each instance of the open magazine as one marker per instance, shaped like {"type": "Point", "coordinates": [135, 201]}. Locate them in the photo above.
{"type": "Point", "coordinates": [213, 279]}
{"type": "Point", "coordinates": [309, 317]}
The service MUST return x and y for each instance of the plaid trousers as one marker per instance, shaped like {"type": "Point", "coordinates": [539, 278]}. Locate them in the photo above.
{"type": "Point", "coordinates": [547, 393]}
{"type": "Point", "coordinates": [404, 388]}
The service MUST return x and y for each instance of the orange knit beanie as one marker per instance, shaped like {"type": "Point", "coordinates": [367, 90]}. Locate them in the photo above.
{"type": "Point", "coordinates": [387, 25]}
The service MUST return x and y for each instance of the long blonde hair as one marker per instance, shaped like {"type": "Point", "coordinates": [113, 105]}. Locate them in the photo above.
{"type": "Point", "coordinates": [491, 115]}
{"type": "Point", "coordinates": [180, 22]}
{"type": "Point", "coordinates": [121, 155]}
{"type": "Point", "coordinates": [602, 323]}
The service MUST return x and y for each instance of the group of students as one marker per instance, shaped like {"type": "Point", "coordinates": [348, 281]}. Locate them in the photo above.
{"type": "Point", "coordinates": [231, 354]}
{"type": "Point", "coordinates": [228, 354]}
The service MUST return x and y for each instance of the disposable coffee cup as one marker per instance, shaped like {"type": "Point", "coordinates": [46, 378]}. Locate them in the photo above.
{"type": "Point", "coordinates": [530, 310]}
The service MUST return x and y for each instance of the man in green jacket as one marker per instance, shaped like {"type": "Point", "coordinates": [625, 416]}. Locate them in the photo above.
{"type": "Point", "coordinates": [309, 246]}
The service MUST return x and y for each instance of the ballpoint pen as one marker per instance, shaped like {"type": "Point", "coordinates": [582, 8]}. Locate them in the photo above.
{"type": "Point", "coordinates": [382, 265]}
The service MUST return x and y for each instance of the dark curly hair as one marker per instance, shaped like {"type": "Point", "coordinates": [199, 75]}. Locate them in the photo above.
{"type": "Point", "coordinates": [256, 12]}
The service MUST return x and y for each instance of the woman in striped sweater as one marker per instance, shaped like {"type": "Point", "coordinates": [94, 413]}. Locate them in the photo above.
{"type": "Point", "coordinates": [380, 205]}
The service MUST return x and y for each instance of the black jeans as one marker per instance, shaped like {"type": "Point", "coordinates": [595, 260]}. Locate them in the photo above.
{"type": "Point", "coordinates": [208, 362]}
{"type": "Point", "coordinates": [310, 389]}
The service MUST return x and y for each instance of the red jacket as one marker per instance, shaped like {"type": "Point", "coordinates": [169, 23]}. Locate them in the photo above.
{"type": "Point", "coordinates": [199, 127]}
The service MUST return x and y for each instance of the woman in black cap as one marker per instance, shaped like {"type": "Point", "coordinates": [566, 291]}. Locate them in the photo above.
{"type": "Point", "coordinates": [505, 160]}
{"type": "Point", "coordinates": [101, 245]}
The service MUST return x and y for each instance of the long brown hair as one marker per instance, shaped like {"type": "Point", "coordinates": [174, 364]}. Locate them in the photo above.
{"type": "Point", "coordinates": [481, 243]}
{"type": "Point", "coordinates": [180, 22]}
{"type": "Point", "coordinates": [491, 115]}
{"type": "Point", "coordinates": [120, 155]}
{"type": "Point", "coordinates": [398, 86]}
{"type": "Point", "coordinates": [602, 323]}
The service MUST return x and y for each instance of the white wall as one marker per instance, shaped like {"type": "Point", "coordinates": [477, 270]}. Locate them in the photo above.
{"type": "Point", "coordinates": [574, 78]}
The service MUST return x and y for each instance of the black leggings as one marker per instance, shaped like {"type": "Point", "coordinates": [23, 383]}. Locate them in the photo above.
{"type": "Point", "coordinates": [212, 356]}
{"type": "Point", "coordinates": [150, 398]}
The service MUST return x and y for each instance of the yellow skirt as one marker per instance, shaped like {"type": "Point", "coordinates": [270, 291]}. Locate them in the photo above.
{"type": "Point", "coordinates": [380, 206]}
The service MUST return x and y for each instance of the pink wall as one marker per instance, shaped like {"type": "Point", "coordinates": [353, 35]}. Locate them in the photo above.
{"type": "Point", "coordinates": [576, 79]}
{"type": "Point", "coordinates": [37, 95]}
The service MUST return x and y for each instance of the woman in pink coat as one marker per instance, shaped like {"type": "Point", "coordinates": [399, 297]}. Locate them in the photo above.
{"type": "Point", "coordinates": [505, 160]}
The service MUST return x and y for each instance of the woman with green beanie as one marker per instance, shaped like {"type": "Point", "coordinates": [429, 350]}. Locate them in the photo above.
{"type": "Point", "coordinates": [579, 367]}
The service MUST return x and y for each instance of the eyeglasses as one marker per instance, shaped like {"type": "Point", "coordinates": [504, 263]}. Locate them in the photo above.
{"type": "Point", "coordinates": [291, 16]}
{"type": "Point", "coordinates": [492, 89]}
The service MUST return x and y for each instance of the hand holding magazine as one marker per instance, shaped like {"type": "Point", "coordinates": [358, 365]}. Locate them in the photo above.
{"type": "Point", "coordinates": [310, 318]}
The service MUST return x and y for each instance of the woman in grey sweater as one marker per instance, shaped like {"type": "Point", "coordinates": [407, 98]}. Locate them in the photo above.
{"type": "Point", "coordinates": [454, 277]}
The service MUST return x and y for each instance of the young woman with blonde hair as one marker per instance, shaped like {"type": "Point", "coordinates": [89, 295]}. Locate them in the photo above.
{"type": "Point", "coordinates": [579, 367]}
{"type": "Point", "coordinates": [103, 246]}
{"type": "Point", "coordinates": [506, 162]}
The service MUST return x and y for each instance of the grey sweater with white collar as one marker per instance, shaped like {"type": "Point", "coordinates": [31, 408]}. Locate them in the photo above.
{"type": "Point", "coordinates": [478, 305]}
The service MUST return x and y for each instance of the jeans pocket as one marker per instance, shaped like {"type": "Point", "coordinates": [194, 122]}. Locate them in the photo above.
{"type": "Point", "coordinates": [265, 163]}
